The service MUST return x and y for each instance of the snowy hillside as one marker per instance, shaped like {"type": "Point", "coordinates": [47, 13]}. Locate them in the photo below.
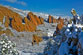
{"type": "Point", "coordinates": [21, 12]}
{"type": "Point", "coordinates": [67, 41]}
{"type": "Point", "coordinates": [24, 13]}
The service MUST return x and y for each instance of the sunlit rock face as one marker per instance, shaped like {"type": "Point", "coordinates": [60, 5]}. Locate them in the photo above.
{"type": "Point", "coordinates": [34, 19]}
{"type": "Point", "coordinates": [60, 20]}
{"type": "Point", "coordinates": [1, 17]}
{"type": "Point", "coordinates": [60, 24]}
{"type": "Point", "coordinates": [15, 21]}
{"type": "Point", "coordinates": [30, 16]}
{"type": "Point", "coordinates": [7, 21]}
{"type": "Point", "coordinates": [29, 26]}
{"type": "Point", "coordinates": [51, 19]}
{"type": "Point", "coordinates": [54, 20]}
{"type": "Point", "coordinates": [41, 20]}
{"type": "Point", "coordinates": [7, 12]}
{"type": "Point", "coordinates": [37, 20]}
{"type": "Point", "coordinates": [37, 39]}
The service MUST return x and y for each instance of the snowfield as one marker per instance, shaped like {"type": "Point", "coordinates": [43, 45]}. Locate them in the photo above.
{"type": "Point", "coordinates": [77, 25]}
{"type": "Point", "coordinates": [69, 41]}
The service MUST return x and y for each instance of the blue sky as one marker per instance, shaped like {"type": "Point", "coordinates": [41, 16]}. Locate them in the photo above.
{"type": "Point", "coordinates": [54, 7]}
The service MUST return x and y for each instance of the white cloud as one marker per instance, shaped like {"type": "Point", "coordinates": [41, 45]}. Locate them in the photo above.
{"type": "Point", "coordinates": [22, 3]}
{"type": "Point", "coordinates": [16, 1]}
{"type": "Point", "coordinates": [60, 14]}
{"type": "Point", "coordinates": [12, 1]}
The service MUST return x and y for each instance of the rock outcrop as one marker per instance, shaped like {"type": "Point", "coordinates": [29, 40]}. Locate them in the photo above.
{"type": "Point", "coordinates": [17, 23]}
{"type": "Point", "coordinates": [37, 20]}
{"type": "Point", "coordinates": [14, 20]}
{"type": "Point", "coordinates": [60, 24]}
{"type": "Point", "coordinates": [51, 19]}
{"type": "Point", "coordinates": [54, 20]}
{"type": "Point", "coordinates": [41, 20]}
{"type": "Point", "coordinates": [8, 32]}
{"type": "Point", "coordinates": [1, 17]}
{"type": "Point", "coordinates": [32, 19]}
{"type": "Point", "coordinates": [7, 21]}
{"type": "Point", "coordinates": [36, 39]}
{"type": "Point", "coordinates": [29, 26]}
{"type": "Point", "coordinates": [59, 21]}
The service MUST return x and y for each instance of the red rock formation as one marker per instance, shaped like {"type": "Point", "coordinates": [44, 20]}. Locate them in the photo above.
{"type": "Point", "coordinates": [60, 23]}
{"type": "Point", "coordinates": [59, 26]}
{"type": "Point", "coordinates": [29, 25]}
{"type": "Point", "coordinates": [17, 23]}
{"type": "Point", "coordinates": [37, 19]}
{"type": "Point", "coordinates": [36, 39]}
{"type": "Point", "coordinates": [34, 21]}
{"type": "Point", "coordinates": [54, 20]}
{"type": "Point", "coordinates": [7, 21]}
{"type": "Point", "coordinates": [32, 18]}
{"type": "Point", "coordinates": [31, 22]}
{"type": "Point", "coordinates": [1, 17]}
{"type": "Point", "coordinates": [50, 19]}
{"type": "Point", "coordinates": [41, 20]}
{"type": "Point", "coordinates": [60, 20]}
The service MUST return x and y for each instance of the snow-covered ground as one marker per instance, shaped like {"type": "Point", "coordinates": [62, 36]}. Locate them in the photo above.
{"type": "Point", "coordinates": [77, 25]}
{"type": "Point", "coordinates": [56, 44]}
{"type": "Point", "coordinates": [50, 45]}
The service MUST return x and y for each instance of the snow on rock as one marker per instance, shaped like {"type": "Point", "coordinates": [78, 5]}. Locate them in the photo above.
{"type": "Point", "coordinates": [22, 53]}
{"type": "Point", "coordinates": [81, 39]}
{"type": "Point", "coordinates": [74, 36]}
{"type": "Point", "coordinates": [64, 49]}
{"type": "Point", "coordinates": [56, 45]}
{"type": "Point", "coordinates": [69, 35]}
{"type": "Point", "coordinates": [50, 32]}
{"type": "Point", "coordinates": [53, 44]}
{"type": "Point", "coordinates": [47, 28]}
{"type": "Point", "coordinates": [77, 25]}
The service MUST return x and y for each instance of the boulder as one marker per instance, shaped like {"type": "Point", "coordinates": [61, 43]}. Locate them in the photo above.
{"type": "Point", "coordinates": [36, 39]}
